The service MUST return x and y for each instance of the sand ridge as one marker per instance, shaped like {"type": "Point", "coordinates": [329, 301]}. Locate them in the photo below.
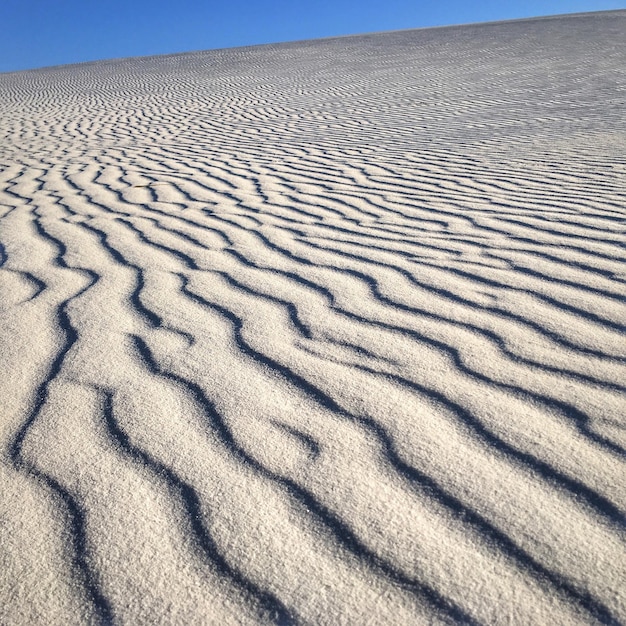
{"type": "Point", "coordinates": [329, 332]}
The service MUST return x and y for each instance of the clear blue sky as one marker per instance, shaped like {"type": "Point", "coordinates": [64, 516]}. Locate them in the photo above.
{"type": "Point", "coordinates": [37, 33]}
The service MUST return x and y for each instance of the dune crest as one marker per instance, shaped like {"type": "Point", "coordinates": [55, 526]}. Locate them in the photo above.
{"type": "Point", "coordinates": [329, 332]}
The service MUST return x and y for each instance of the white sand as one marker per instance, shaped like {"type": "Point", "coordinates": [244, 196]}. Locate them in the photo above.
{"type": "Point", "coordinates": [329, 332]}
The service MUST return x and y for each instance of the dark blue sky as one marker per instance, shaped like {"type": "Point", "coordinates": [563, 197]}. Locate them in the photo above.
{"type": "Point", "coordinates": [36, 33]}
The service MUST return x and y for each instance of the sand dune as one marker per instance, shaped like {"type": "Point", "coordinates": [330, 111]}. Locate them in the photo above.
{"type": "Point", "coordinates": [329, 332]}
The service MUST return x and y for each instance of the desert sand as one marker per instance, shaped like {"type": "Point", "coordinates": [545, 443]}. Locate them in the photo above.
{"type": "Point", "coordinates": [327, 332]}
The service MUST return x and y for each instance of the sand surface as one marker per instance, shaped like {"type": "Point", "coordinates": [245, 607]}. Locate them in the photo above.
{"type": "Point", "coordinates": [329, 332]}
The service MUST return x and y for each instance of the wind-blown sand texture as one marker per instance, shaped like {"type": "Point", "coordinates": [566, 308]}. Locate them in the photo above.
{"type": "Point", "coordinates": [329, 332]}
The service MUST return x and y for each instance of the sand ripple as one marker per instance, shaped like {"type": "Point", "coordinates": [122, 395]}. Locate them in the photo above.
{"type": "Point", "coordinates": [329, 332]}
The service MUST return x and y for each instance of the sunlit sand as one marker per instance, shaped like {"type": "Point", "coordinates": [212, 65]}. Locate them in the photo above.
{"type": "Point", "coordinates": [329, 332]}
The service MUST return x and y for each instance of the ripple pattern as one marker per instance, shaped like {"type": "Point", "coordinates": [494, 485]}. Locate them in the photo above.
{"type": "Point", "coordinates": [327, 332]}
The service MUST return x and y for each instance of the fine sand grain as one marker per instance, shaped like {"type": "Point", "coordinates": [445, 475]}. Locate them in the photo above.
{"type": "Point", "coordinates": [329, 332]}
